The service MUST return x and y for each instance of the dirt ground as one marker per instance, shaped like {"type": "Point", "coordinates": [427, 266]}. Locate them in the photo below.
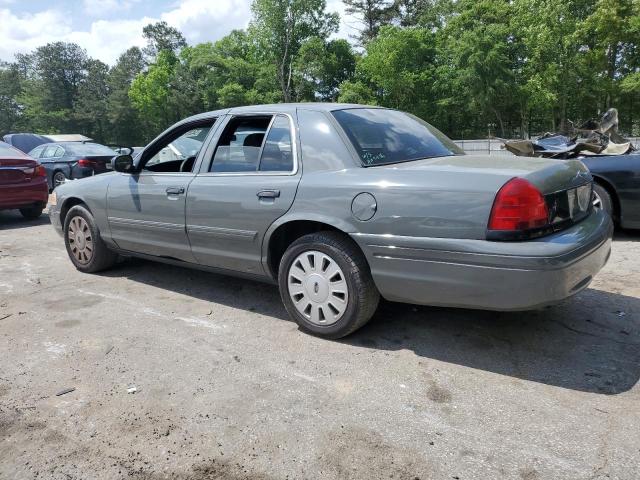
{"type": "Point", "coordinates": [228, 388]}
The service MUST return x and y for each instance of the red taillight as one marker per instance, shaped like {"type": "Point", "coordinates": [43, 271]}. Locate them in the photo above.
{"type": "Point", "coordinates": [40, 171]}
{"type": "Point", "coordinates": [518, 206]}
{"type": "Point", "coordinates": [83, 162]}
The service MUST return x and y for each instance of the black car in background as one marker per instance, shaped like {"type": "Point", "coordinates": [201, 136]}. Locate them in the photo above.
{"type": "Point", "coordinates": [617, 186]}
{"type": "Point", "coordinates": [72, 160]}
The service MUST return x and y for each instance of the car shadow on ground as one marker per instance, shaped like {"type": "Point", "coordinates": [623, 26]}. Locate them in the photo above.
{"type": "Point", "coordinates": [627, 235]}
{"type": "Point", "coordinates": [589, 343]}
{"type": "Point", "coordinates": [12, 220]}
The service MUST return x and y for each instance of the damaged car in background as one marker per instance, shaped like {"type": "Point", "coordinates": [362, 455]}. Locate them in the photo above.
{"type": "Point", "coordinates": [614, 163]}
{"type": "Point", "coordinates": [339, 205]}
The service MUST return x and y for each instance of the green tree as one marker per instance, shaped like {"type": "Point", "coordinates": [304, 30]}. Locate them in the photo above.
{"type": "Point", "coordinates": [371, 14]}
{"type": "Point", "coordinates": [281, 26]}
{"type": "Point", "coordinates": [126, 127]}
{"type": "Point", "coordinates": [10, 90]}
{"type": "Point", "coordinates": [399, 65]}
{"type": "Point", "coordinates": [90, 108]}
{"type": "Point", "coordinates": [150, 91]}
{"type": "Point", "coordinates": [321, 67]}
{"type": "Point", "coordinates": [162, 37]}
{"type": "Point", "coordinates": [54, 74]}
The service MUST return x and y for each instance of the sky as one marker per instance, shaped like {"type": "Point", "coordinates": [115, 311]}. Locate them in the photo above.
{"type": "Point", "coordinates": [106, 28]}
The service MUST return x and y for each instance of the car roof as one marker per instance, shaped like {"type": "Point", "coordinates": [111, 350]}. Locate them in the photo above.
{"type": "Point", "coordinates": [277, 108]}
{"type": "Point", "coordinates": [70, 144]}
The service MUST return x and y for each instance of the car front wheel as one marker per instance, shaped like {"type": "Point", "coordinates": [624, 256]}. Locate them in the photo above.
{"type": "Point", "coordinates": [326, 285]}
{"type": "Point", "coordinates": [85, 247]}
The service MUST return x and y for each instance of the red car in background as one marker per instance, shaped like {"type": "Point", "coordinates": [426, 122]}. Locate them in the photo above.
{"type": "Point", "coordinates": [23, 183]}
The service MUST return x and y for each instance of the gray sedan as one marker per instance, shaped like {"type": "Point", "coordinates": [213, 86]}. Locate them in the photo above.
{"type": "Point", "coordinates": [339, 205]}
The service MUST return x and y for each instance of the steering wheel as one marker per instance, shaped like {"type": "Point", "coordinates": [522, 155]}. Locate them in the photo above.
{"type": "Point", "coordinates": [187, 164]}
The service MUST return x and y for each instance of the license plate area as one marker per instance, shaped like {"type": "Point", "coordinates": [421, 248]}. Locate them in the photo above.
{"type": "Point", "coordinates": [569, 206]}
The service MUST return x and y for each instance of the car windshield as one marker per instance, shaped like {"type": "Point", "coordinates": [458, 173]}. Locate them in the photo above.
{"type": "Point", "coordinates": [89, 149]}
{"type": "Point", "coordinates": [382, 136]}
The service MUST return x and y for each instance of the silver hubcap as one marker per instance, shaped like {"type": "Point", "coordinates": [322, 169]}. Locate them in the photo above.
{"type": "Point", "coordinates": [80, 240]}
{"type": "Point", "coordinates": [597, 201]}
{"type": "Point", "coordinates": [58, 179]}
{"type": "Point", "coordinates": [318, 287]}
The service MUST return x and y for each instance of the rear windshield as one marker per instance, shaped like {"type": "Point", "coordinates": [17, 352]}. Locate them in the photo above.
{"type": "Point", "coordinates": [8, 151]}
{"type": "Point", "coordinates": [89, 149]}
{"type": "Point", "coordinates": [383, 136]}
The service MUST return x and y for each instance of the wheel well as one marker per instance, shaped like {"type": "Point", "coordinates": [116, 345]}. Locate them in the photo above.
{"type": "Point", "coordinates": [288, 233]}
{"type": "Point", "coordinates": [612, 193]}
{"type": "Point", "coordinates": [70, 202]}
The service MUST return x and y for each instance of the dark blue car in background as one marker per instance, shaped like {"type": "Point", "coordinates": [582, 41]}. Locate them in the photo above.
{"type": "Point", "coordinates": [72, 160]}
{"type": "Point", "coordinates": [617, 186]}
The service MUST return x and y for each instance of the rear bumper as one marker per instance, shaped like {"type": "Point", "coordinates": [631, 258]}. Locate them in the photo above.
{"type": "Point", "coordinates": [24, 195]}
{"type": "Point", "coordinates": [489, 275]}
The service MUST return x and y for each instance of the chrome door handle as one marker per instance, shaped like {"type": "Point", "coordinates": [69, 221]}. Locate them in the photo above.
{"type": "Point", "coordinates": [268, 194]}
{"type": "Point", "coordinates": [175, 190]}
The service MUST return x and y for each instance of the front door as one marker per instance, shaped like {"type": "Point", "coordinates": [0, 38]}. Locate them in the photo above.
{"type": "Point", "coordinates": [146, 209]}
{"type": "Point", "coordinates": [249, 179]}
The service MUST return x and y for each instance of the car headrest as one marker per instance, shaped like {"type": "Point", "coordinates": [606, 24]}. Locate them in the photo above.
{"type": "Point", "coordinates": [253, 140]}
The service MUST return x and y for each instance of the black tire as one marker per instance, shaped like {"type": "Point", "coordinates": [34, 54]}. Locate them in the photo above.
{"type": "Point", "coordinates": [101, 257]}
{"type": "Point", "coordinates": [31, 213]}
{"type": "Point", "coordinates": [58, 178]}
{"type": "Point", "coordinates": [603, 199]}
{"type": "Point", "coordinates": [363, 296]}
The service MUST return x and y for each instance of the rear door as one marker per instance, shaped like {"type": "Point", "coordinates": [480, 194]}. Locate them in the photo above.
{"type": "Point", "coordinates": [248, 179]}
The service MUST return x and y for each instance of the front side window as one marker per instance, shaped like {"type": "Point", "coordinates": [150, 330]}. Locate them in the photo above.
{"type": "Point", "coordinates": [383, 136]}
{"type": "Point", "coordinates": [178, 153]}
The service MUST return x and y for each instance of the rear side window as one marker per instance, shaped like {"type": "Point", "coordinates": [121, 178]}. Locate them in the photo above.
{"type": "Point", "coordinates": [255, 144]}
{"type": "Point", "coordinates": [277, 154]}
{"type": "Point", "coordinates": [240, 144]}
{"type": "Point", "coordinates": [50, 151]}
{"type": "Point", "coordinates": [36, 152]}
{"type": "Point", "coordinates": [383, 136]}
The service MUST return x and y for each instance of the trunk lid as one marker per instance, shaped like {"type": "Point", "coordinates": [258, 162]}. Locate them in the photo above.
{"type": "Point", "coordinates": [548, 175]}
{"type": "Point", "coordinates": [16, 170]}
{"type": "Point", "coordinates": [100, 164]}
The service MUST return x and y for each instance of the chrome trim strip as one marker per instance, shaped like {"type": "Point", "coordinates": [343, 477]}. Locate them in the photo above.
{"type": "Point", "coordinates": [222, 232]}
{"type": "Point", "coordinates": [132, 222]}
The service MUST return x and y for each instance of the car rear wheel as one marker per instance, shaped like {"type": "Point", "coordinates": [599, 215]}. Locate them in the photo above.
{"type": "Point", "coordinates": [31, 213]}
{"type": "Point", "coordinates": [85, 247]}
{"type": "Point", "coordinates": [602, 199]}
{"type": "Point", "coordinates": [326, 285]}
{"type": "Point", "coordinates": [58, 179]}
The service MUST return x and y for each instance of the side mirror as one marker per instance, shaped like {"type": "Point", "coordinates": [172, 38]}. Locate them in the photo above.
{"type": "Point", "coordinates": [122, 163]}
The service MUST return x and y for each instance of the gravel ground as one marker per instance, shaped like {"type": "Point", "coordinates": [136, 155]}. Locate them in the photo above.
{"type": "Point", "coordinates": [228, 388]}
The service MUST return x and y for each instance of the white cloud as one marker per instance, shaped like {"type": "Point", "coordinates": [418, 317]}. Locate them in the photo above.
{"type": "Point", "coordinates": [204, 20]}
{"type": "Point", "coordinates": [107, 39]}
{"type": "Point", "coordinates": [198, 20]}
{"type": "Point", "coordinates": [23, 33]}
{"type": "Point", "coordinates": [97, 8]}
